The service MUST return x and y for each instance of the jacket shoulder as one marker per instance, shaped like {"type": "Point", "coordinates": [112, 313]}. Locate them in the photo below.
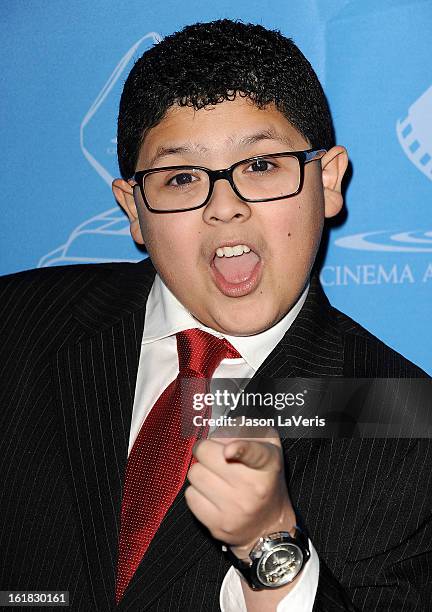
{"type": "Point", "coordinates": [42, 285]}
{"type": "Point", "coordinates": [33, 299]}
{"type": "Point", "coordinates": [63, 279]}
{"type": "Point", "coordinates": [365, 355]}
{"type": "Point", "coordinates": [56, 273]}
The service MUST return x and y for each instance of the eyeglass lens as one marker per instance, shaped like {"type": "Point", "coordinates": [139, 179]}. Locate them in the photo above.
{"type": "Point", "coordinates": [260, 179]}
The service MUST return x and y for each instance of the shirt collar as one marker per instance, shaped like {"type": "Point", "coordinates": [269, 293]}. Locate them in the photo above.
{"type": "Point", "coordinates": [165, 316]}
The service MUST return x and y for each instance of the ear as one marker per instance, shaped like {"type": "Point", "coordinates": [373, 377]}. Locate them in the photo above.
{"type": "Point", "coordinates": [333, 164]}
{"type": "Point", "coordinates": [123, 193]}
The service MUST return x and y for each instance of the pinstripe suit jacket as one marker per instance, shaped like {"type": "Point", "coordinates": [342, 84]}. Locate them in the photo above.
{"type": "Point", "coordinates": [70, 344]}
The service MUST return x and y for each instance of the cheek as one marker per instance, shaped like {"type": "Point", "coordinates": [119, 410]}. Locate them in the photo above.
{"type": "Point", "coordinates": [296, 232]}
{"type": "Point", "coordinates": [168, 242]}
{"type": "Point", "coordinates": [299, 221]}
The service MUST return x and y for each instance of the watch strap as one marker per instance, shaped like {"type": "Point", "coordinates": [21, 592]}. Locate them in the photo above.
{"type": "Point", "coordinates": [244, 567]}
{"type": "Point", "coordinates": [247, 567]}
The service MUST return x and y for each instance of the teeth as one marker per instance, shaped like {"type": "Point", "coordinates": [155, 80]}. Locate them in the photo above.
{"type": "Point", "coordinates": [227, 251]}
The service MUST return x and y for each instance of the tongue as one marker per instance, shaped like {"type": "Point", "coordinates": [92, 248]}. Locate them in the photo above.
{"type": "Point", "coordinates": [238, 268]}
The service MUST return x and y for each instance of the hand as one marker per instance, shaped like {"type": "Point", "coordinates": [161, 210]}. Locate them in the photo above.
{"type": "Point", "coordinates": [238, 489]}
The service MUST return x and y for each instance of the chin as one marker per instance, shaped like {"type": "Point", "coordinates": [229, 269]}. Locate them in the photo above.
{"type": "Point", "coordinates": [249, 326]}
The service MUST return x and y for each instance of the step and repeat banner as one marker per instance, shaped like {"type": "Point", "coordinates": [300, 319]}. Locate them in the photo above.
{"type": "Point", "coordinates": [63, 68]}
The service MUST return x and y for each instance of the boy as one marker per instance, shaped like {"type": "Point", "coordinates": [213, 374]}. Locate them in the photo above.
{"type": "Point", "coordinates": [228, 171]}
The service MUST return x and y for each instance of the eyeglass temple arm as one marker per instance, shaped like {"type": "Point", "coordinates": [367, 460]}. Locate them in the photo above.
{"type": "Point", "coordinates": [311, 155]}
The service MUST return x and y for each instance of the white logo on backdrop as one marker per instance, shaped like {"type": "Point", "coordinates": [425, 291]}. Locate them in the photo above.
{"type": "Point", "coordinates": [415, 133]}
{"type": "Point", "coordinates": [415, 137]}
{"type": "Point", "coordinates": [399, 242]}
{"type": "Point", "coordinates": [95, 238]}
{"type": "Point", "coordinates": [87, 238]}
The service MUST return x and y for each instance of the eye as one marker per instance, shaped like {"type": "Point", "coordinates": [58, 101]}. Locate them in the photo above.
{"type": "Point", "coordinates": [181, 179]}
{"type": "Point", "coordinates": [261, 165]}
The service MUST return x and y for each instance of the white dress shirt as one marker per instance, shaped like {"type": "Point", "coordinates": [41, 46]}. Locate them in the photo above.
{"type": "Point", "coordinates": [158, 367]}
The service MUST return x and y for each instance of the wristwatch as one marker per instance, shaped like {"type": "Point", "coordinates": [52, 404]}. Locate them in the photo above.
{"type": "Point", "coordinates": [275, 560]}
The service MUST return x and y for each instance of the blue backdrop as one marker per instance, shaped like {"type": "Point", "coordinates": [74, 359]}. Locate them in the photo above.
{"type": "Point", "coordinates": [63, 67]}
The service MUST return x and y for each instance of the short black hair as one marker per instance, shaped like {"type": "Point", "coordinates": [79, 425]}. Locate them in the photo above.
{"type": "Point", "coordinates": [207, 63]}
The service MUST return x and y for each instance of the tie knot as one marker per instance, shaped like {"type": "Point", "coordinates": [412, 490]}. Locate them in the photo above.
{"type": "Point", "coordinates": [200, 353]}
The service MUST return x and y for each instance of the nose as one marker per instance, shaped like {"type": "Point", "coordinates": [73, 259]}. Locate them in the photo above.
{"type": "Point", "coordinates": [225, 206]}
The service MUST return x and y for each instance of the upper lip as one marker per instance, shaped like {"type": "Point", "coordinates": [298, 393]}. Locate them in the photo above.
{"type": "Point", "coordinates": [231, 243]}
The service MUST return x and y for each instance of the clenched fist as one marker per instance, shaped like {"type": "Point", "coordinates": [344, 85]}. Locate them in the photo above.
{"type": "Point", "coordinates": [238, 490]}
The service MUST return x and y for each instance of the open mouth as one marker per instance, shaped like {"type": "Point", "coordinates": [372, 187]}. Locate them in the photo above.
{"type": "Point", "coordinates": [236, 269]}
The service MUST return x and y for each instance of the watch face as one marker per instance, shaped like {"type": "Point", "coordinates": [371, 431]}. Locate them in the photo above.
{"type": "Point", "coordinates": [280, 565]}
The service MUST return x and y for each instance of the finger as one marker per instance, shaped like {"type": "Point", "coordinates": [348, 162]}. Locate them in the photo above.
{"type": "Point", "coordinates": [210, 485]}
{"type": "Point", "coordinates": [257, 455]}
{"type": "Point", "coordinates": [210, 454]}
{"type": "Point", "coordinates": [205, 511]}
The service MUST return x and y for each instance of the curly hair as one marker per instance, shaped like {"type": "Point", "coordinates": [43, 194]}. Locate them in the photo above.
{"type": "Point", "coordinates": [207, 63]}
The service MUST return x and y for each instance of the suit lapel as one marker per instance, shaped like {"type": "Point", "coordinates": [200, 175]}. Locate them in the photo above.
{"type": "Point", "coordinates": [179, 543]}
{"type": "Point", "coordinates": [95, 383]}
{"type": "Point", "coordinates": [312, 347]}
{"type": "Point", "coordinates": [95, 379]}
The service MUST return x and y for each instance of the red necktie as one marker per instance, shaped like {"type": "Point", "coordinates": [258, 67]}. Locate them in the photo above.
{"type": "Point", "coordinates": [161, 455]}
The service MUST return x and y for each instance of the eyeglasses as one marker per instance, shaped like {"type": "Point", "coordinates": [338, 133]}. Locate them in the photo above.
{"type": "Point", "coordinates": [263, 178]}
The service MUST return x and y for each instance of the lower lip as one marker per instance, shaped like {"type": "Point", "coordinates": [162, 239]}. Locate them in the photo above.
{"type": "Point", "coordinates": [237, 289]}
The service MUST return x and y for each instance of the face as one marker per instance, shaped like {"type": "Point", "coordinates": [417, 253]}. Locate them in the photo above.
{"type": "Point", "coordinates": [255, 290]}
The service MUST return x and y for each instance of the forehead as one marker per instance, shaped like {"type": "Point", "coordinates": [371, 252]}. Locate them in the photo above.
{"type": "Point", "coordinates": [236, 126]}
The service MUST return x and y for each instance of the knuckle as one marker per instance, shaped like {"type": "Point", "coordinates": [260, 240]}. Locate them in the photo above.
{"type": "Point", "coordinates": [193, 471]}
{"type": "Point", "coordinates": [261, 491]}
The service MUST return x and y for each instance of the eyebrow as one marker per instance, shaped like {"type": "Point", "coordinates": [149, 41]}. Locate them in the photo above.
{"type": "Point", "coordinates": [187, 147]}
{"type": "Point", "coordinates": [244, 141]}
{"type": "Point", "coordinates": [267, 134]}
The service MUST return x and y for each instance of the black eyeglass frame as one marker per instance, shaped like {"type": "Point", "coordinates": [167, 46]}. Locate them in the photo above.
{"type": "Point", "coordinates": [303, 157]}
